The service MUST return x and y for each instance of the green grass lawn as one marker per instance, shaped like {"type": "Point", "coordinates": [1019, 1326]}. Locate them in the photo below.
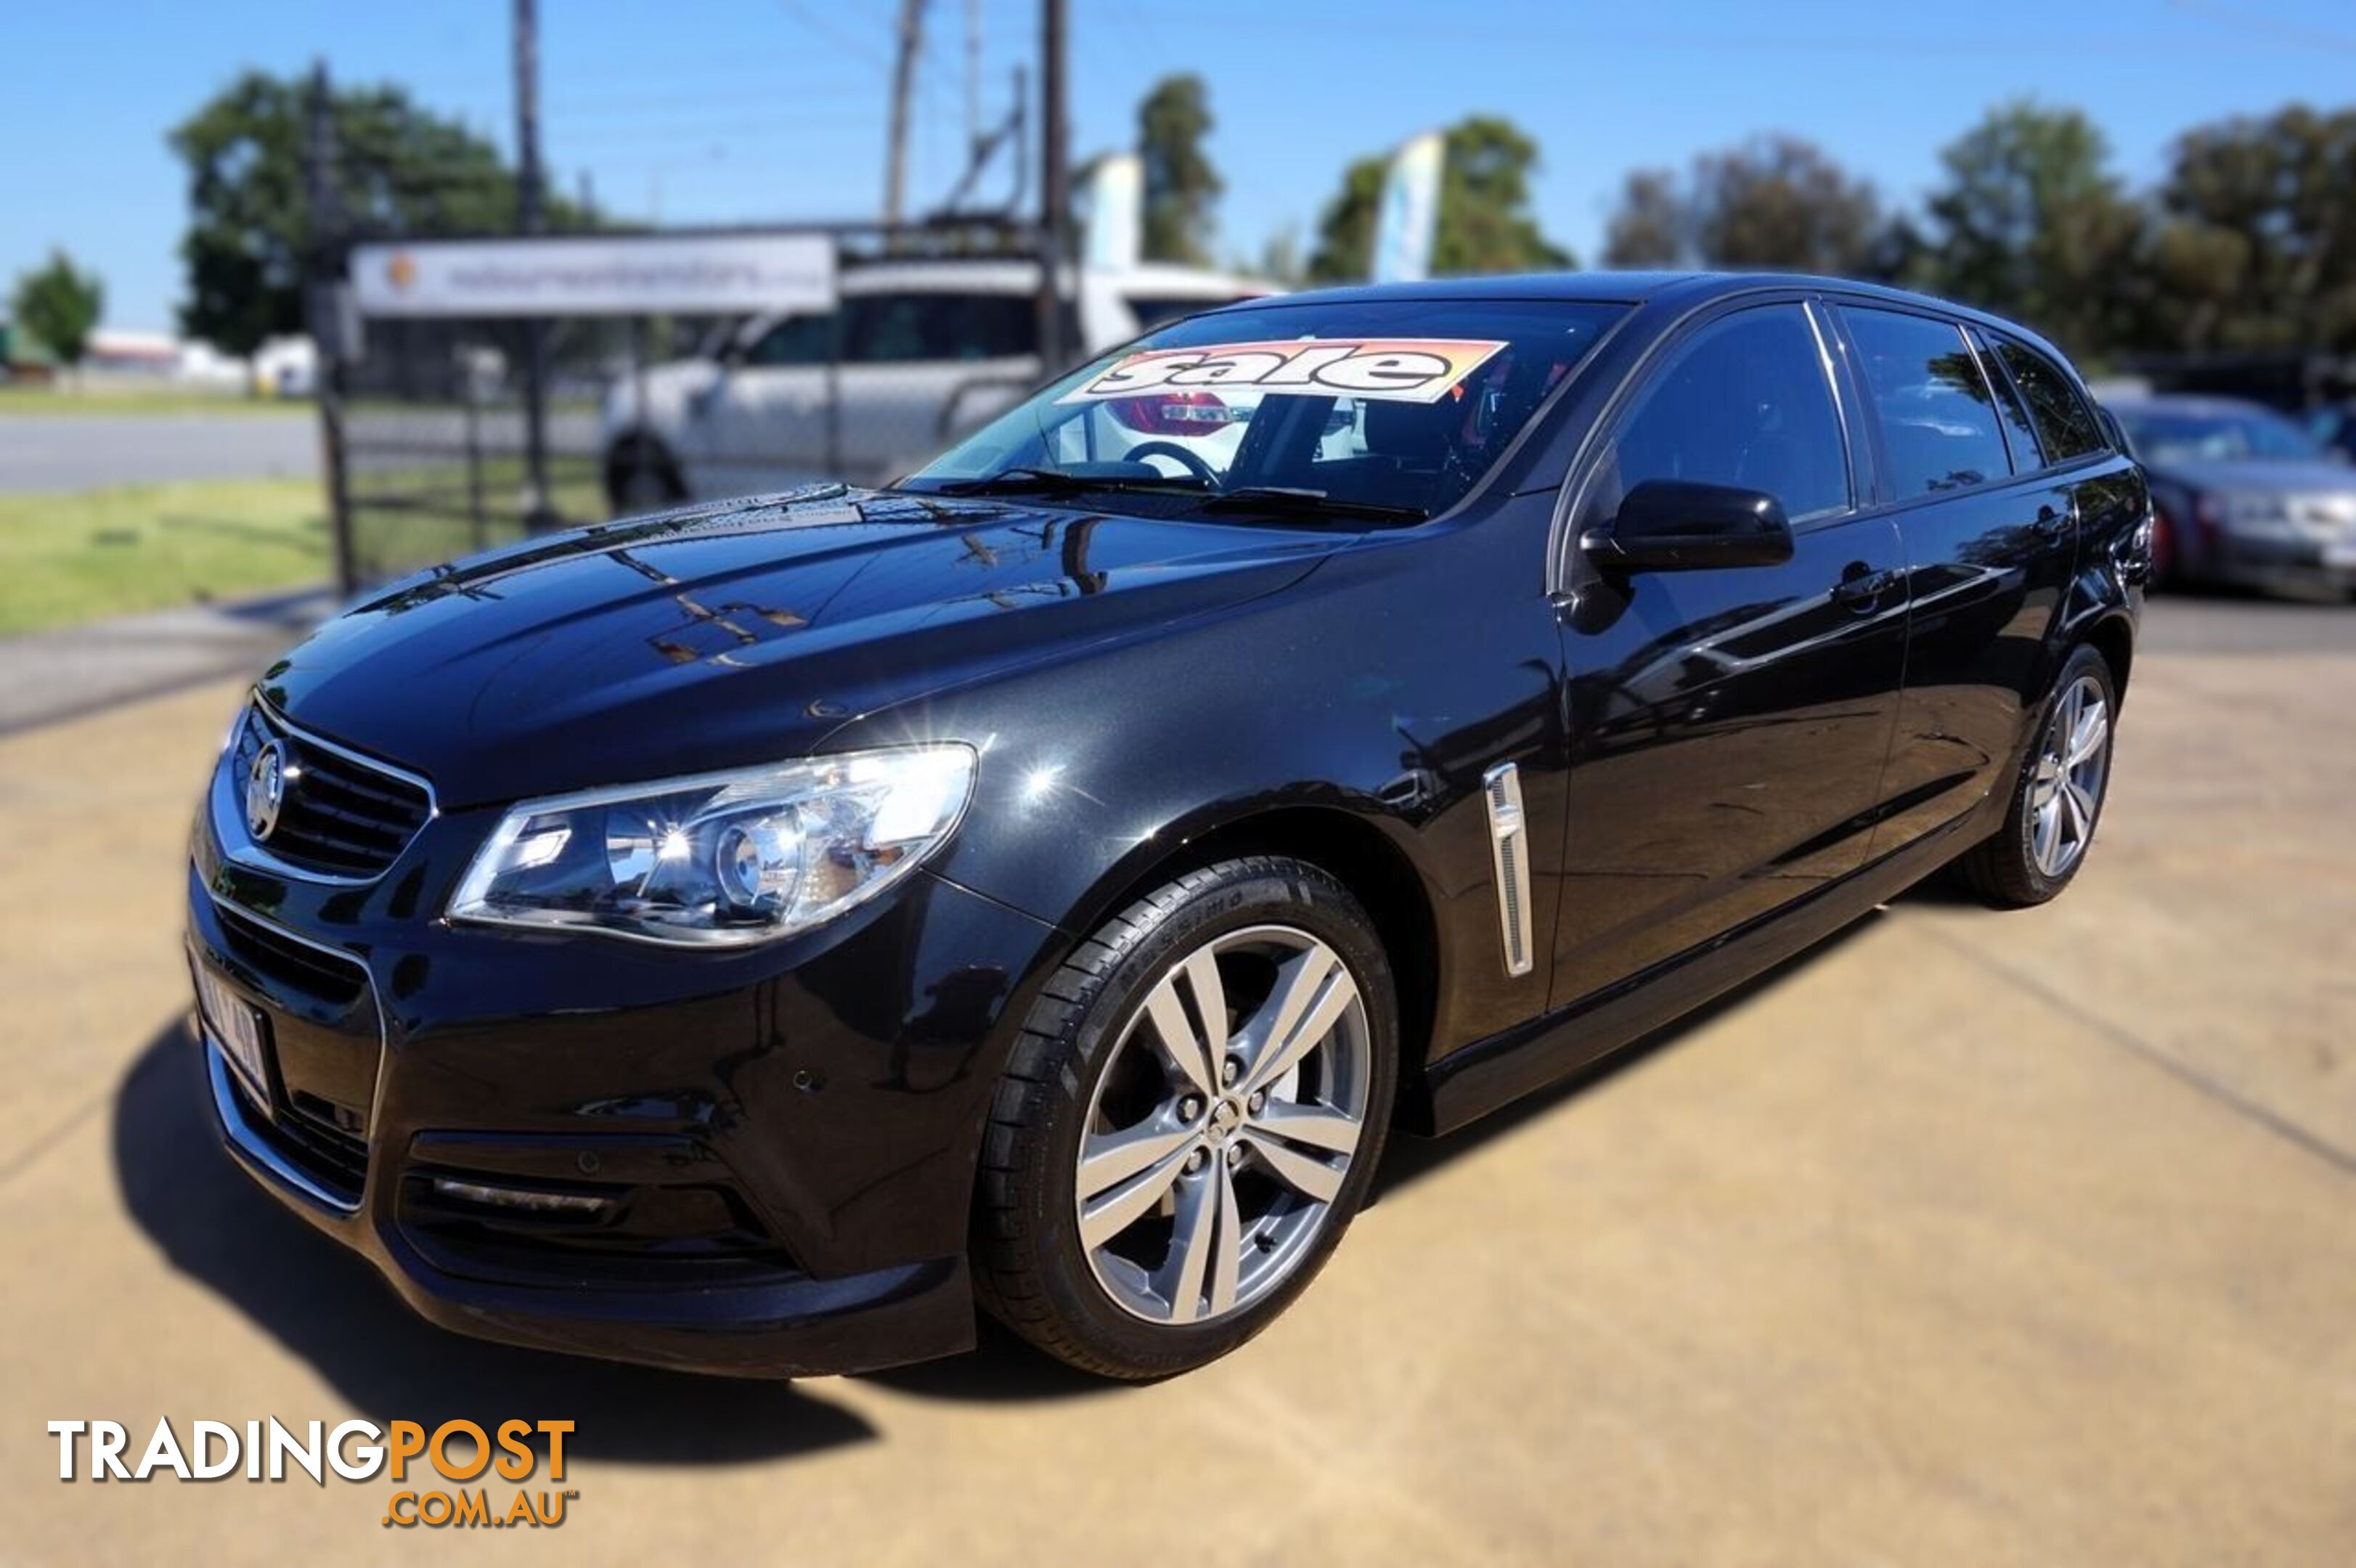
{"type": "Point", "coordinates": [72, 557]}
{"type": "Point", "coordinates": [69, 403]}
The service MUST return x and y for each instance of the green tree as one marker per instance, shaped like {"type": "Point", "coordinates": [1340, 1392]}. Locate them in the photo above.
{"type": "Point", "coordinates": [1650, 227]}
{"type": "Point", "coordinates": [1485, 223]}
{"type": "Point", "coordinates": [2031, 223]}
{"type": "Point", "coordinates": [1779, 201]}
{"type": "Point", "coordinates": [400, 169]}
{"type": "Point", "coordinates": [1182, 188]}
{"type": "Point", "coordinates": [1345, 251]}
{"type": "Point", "coordinates": [1485, 199]}
{"type": "Point", "coordinates": [60, 305]}
{"type": "Point", "coordinates": [2256, 241]}
{"type": "Point", "coordinates": [1772, 201]}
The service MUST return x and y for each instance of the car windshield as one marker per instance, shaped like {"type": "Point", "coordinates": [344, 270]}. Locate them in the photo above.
{"type": "Point", "coordinates": [2167, 435]}
{"type": "Point", "coordinates": [1384, 410]}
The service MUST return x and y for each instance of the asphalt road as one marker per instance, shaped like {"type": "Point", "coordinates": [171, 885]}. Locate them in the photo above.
{"type": "Point", "coordinates": [44, 453]}
{"type": "Point", "coordinates": [1970, 1238]}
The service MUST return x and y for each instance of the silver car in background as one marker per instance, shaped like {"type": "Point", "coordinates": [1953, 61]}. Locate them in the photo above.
{"type": "Point", "coordinates": [916, 355]}
{"type": "Point", "coordinates": [2243, 496]}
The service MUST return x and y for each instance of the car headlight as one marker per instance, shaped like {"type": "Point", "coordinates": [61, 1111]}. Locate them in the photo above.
{"type": "Point", "coordinates": [720, 859]}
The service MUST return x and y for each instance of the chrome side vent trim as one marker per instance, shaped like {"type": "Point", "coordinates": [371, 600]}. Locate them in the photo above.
{"type": "Point", "coordinates": [1509, 858]}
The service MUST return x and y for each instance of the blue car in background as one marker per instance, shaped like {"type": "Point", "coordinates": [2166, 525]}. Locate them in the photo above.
{"type": "Point", "coordinates": [2243, 496]}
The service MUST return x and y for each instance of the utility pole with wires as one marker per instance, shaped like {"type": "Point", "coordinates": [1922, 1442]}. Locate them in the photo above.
{"type": "Point", "coordinates": [973, 134]}
{"type": "Point", "coordinates": [1055, 196]}
{"type": "Point", "coordinates": [903, 76]}
{"type": "Point", "coordinates": [539, 516]}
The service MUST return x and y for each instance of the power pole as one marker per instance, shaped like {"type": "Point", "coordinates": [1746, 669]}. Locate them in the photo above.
{"type": "Point", "coordinates": [538, 515]}
{"type": "Point", "coordinates": [1055, 195]}
{"type": "Point", "coordinates": [973, 79]}
{"type": "Point", "coordinates": [903, 77]}
{"type": "Point", "coordinates": [324, 280]}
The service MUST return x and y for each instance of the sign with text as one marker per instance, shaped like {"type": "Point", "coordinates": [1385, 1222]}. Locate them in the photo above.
{"type": "Point", "coordinates": [720, 274]}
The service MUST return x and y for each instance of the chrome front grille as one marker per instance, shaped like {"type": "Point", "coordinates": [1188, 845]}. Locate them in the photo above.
{"type": "Point", "coordinates": [342, 815]}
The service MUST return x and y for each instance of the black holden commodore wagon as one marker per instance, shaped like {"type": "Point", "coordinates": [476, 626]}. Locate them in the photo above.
{"type": "Point", "coordinates": [750, 937]}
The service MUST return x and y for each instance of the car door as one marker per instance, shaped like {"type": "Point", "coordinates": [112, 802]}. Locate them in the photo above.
{"type": "Point", "coordinates": [1728, 726]}
{"type": "Point", "coordinates": [763, 425]}
{"type": "Point", "coordinates": [1988, 536]}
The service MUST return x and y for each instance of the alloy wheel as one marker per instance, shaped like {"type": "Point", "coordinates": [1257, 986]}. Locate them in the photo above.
{"type": "Point", "coordinates": [2066, 790]}
{"type": "Point", "coordinates": [1224, 1125]}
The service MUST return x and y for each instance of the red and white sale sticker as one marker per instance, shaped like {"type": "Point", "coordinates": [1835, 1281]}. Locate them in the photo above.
{"type": "Point", "coordinates": [1394, 370]}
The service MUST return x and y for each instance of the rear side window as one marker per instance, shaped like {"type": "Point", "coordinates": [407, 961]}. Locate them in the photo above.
{"type": "Point", "coordinates": [1936, 411]}
{"type": "Point", "coordinates": [1744, 402]}
{"type": "Point", "coordinates": [901, 329]}
{"type": "Point", "coordinates": [2064, 422]}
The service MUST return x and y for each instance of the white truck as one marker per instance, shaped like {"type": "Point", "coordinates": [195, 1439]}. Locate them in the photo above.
{"type": "Point", "coordinates": [914, 355]}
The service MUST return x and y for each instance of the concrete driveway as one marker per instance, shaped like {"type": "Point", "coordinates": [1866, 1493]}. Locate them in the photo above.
{"type": "Point", "coordinates": [1972, 1238]}
{"type": "Point", "coordinates": [42, 453]}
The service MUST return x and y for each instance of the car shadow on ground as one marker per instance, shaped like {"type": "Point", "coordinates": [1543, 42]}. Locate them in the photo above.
{"type": "Point", "coordinates": [1409, 1159]}
{"type": "Point", "coordinates": [329, 1306]}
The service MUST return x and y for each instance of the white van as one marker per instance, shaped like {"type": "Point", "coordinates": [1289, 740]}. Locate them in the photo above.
{"type": "Point", "coordinates": [915, 355]}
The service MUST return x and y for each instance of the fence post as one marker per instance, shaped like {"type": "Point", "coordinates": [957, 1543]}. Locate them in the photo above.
{"type": "Point", "coordinates": [323, 275]}
{"type": "Point", "coordinates": [475, 460]}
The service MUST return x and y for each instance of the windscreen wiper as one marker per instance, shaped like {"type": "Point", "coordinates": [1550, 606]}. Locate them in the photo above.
{"type": "Point", "coordinates": [1301, 501]}
{"type": "Point", "coordinates": [1059, 482]}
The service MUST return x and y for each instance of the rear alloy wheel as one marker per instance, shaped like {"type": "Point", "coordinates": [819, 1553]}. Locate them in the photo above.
{"type": "Point", "coordinates": [2059, 797]}
{"type": "Point", "coordinates": [1189, 1122]}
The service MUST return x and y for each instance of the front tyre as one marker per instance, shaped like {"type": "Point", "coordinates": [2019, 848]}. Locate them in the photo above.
{"type": "Point", "coordinates": [1191, 1118]}
{"type": "Point", "coordinates": [2058, 798]}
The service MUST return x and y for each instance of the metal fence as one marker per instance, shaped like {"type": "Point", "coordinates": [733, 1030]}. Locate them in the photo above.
{"type": "Point", "coordinates": [936, 328]}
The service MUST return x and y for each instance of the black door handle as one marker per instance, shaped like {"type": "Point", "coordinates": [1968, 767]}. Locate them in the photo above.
{"type": "Point", "coordinates": [2052, 523]}
{"type": "Point", "coordinates": [1861, 591]}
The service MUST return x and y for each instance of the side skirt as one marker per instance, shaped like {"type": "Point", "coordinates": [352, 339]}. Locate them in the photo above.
{"type": "Point", "coordinates": [1472, 1082]}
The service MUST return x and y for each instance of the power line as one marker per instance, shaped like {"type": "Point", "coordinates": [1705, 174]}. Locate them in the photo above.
{"type": "Point", "coordinates": [856, 49]}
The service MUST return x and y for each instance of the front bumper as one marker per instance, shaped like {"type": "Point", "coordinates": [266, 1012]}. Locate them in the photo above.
{"type": "Point", "coordinates": [2301, 565]}
{"type": "Point", "coordinates": [762, 1162]}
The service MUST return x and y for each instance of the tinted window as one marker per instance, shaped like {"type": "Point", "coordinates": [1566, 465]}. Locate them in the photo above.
{"type": "Point", "coordinates": [2019, 431]}
{"type": "Point", "coordinates": [1744, 403]}
{"type": "Point", "coordinates": [2224, 434]}
{"type": "Point", "coordinates": [1936, 414]}
{"type": "Point", "coordinates": [907, 328]}
{"type": "Point", "coordinates": [1401, 404]}
{"type": "Point", "coordinates": [797, 340]}
{"type": "Point", "coordinates": [2064, 422]}
{"type": "Point", "coordinates": [1152, 310]}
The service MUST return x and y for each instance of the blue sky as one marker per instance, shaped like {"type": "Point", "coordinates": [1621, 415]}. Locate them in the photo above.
{"type": "Point", "coordinates": [746, 109]}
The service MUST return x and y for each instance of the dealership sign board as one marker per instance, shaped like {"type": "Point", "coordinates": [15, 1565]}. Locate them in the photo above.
{"type": "Point", "coordinates": [719, 274]}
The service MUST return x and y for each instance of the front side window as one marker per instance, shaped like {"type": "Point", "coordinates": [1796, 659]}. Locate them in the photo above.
{"type": "Point", "coordinates": [912, 328]}
{"type": "Point", "coordinates": [1384, 409]}
{"type": "Point", "coordinates": [2064, 422]}
{"type": "Point", "coordinates": [1936, 411]}
{"type": "Point", "coordinates": [797, 340]}
{"type": "Point", "coordinates": [1745, 402]}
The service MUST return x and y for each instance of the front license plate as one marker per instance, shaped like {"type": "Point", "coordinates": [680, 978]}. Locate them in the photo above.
{"type": "Point", "coordinates": [236, 1024]}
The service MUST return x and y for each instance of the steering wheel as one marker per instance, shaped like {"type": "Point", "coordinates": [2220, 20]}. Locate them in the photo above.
{"type": "Point", "coordinates": [1191, 461]}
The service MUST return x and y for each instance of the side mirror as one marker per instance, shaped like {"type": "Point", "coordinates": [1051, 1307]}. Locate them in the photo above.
{"type": "Point", "coordinates": [1669, 524]}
